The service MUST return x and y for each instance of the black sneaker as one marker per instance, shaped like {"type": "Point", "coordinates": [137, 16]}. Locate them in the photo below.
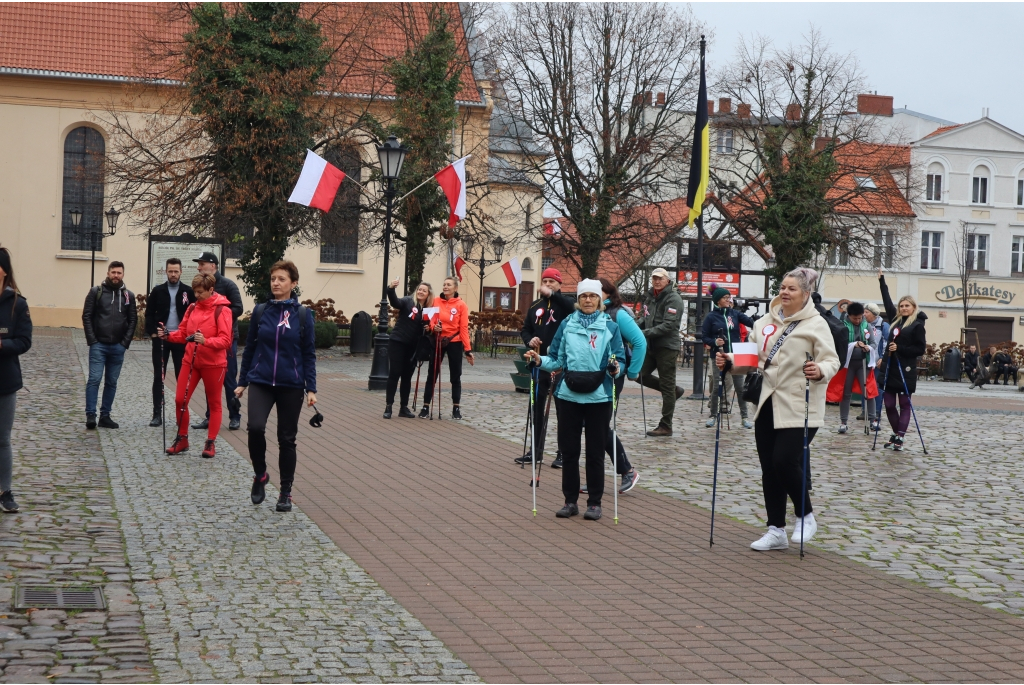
{"type": "Point", "coordinates": [387, 412]}
{"type": "Point", "coordinates": [7, 503]}
{"type": "Point", "coordinates": [526, 459]}
{"type": "Point", "coordinates": [897, 446]}
{"type": "Point", "coordinates": [425, 412]}
{"type": "Point", "coordinates": [890, 442]}
{"type": "Point", "coordinates": [90, 421]}
{"type": "Point", "coordinates": [557, 463]}
{"type": "Point", "coordinates": [284, 502]}
{"type": "Point", "coordinates": [202, 425]}
{"type": "Point", "coordinates": [234, 424]}
{"type": "Point", "coordinates": [456, 413]}
{"type": "Point", "coordinates": [404, 413]}
{"type": "Point", "coordinates": [593, 513]}
{"type": "Point", "coordinates": [107, 422]}
{"type": "Point", "coordinates": [570, 509]}
{"type": "Point", "coordinates": [157, 420]}
{"type": "Point", "coordinates": [259, 488]}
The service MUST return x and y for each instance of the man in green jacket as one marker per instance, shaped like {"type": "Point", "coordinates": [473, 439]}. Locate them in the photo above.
{"type": "Point", "coordinates": [659, 319]}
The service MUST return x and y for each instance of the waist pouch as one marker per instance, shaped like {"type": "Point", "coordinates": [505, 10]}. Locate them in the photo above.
{"type": "Point", "coordinates": [584, 382]}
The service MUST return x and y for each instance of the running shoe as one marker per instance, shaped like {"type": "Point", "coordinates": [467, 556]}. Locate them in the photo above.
{"type": "Point", "coordinates": [628, 481]}
{"type": "Point", "coordinates": [209, 450]}
{"type": "Point", "coordinates": [897, 446]}
{"type": "Point", "coordinates": [284, 502]}
{"type": "Point", "coordinates": [775, 538]}
{"type": "Point", "coordinates": [710, 423]}
{"type": "Point", "coordinates": [425, 412]}
{"type": "Point", "coordinates": [179, 445]}
{"type": "Point", "coordinates": [201, 425]}
{"type": "Point", "coordinates": [259, 488]}
{"type": "Point", "coordinates": [843, 428]}
{"type": "Point", "coordinates": [7, 503]}
{"type": "Point", "coordinates": [570, 509]}
{"type": "Point", "coordinates": [805, 528]}
{"type": "Point", "coordinates": [456, 413]}
{"type": "Point", "coordinates": [876, 426]}
{"type": "Point", "coordinates": [557, 463]}
{"type": "Point", "coordinates": [527, 459]}
{"type": "Point", "coordinates": [890, 442]}
{"type": "Point", "coordinates": [748, 424]}
{"type": "Point", "coordinates": [593, 513]}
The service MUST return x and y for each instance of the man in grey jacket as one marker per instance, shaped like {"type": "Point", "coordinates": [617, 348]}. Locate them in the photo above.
{"type": "Point", "coordinates": [207, 264]}
{"type": "Point", "coordinates": [659, 319]}
{"type": "Point", "coordinates": [109, 319]}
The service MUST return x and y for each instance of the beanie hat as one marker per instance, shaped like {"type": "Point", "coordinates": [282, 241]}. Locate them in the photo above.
{"type": "Point", "coordinates": [718, 293]}
{"type": "Point", "coordinates": [551, 272]}
{"type": "Point", "coordinates": [873, 308]}
{"type": "Point", "coordinates": [589, 285]}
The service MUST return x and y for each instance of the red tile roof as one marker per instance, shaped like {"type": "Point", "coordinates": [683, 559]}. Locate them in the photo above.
{"type": "Point", "coordinates": [942, 129]}
{"type": "Point", "coordinates": [111, 38]}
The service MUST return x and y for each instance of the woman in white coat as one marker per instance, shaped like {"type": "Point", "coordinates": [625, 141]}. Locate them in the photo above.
{"type": "Point", "coordinates": [779, 421]}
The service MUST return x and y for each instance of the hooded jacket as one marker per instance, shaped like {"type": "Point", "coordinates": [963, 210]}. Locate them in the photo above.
{"type": "Point", "coordinates": [274, 354]}
{"type": "Point", "coordinates": [660, 317]}
{"type": "Point", "coordinates": [212, 316]}
{"type": "Point", "coordinates": [454, 319]}
{"type": "Point", "coordinates": [579, 348]}
{"type": "Point", "coordinates": [718, 321]}
{"type": "Point", "coordinates": [784, 382]}
{"type": "Point", "coordinates": [911, 342]}
{"type": "Point", "coordinates": [109, 315]}
{"type": "Point", "coordinates": [15, 339]}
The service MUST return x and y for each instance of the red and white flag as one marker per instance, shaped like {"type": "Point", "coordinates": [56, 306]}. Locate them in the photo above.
{"type": "Point", "coordinates": [744, 355]}
{"type": "Point", "coordinates": [512, 272]}
{"type": "Point", "coordinates": [457, 264]}
{"type": "Point", "coordinates": [318, 183]}
{"type": "Point", "coordinates": [453, 182]}
{"type": "Point", "coordinates": [552, 228]}
{"type": "Point", "coordinates": [430, 312]}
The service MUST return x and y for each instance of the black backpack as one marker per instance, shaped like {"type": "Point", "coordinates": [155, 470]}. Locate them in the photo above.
{"type": "Point", "coordinates": [840, 336]}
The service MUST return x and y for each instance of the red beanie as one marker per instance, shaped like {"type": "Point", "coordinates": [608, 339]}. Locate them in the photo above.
{"type": "Point", "coordinates": [551, 272]}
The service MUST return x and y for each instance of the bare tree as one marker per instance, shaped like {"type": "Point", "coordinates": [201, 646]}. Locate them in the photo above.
{"type": "Point", "coordinates": [969, 259]}
{"type": "Point", "coordinates": [581, 78]}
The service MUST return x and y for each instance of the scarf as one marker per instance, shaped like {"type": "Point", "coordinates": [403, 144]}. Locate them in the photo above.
{"type": "Point", "coordinates": [587, 319]}
{"type": "Point", "coordinates": [857, 333]}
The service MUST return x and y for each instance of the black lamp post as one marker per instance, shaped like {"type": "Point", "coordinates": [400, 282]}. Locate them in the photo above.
{"type": "Point", "coordinates": [392, 155]}
{"type": "Point", "coordinates": [94, 235]}
{"type": "Point", "coordinates": [498, 245]}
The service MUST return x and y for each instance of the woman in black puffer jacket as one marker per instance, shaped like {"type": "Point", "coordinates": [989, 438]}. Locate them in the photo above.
{"type": "Point", "coordinates": [410, 327]}
{"type": "Point", "coordinates": [15, 340]}
{"type": "Point", "coordinates": [907, 342]}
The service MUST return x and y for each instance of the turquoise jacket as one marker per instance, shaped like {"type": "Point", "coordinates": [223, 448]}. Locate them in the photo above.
{"type": "Point", "coordinates": [634, 337]}
{"type": "Point", "coordinates": [576, 348]}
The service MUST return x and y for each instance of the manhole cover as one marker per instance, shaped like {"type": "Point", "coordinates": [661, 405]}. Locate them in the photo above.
{"type": "Point", "coordinates": [41, 597]}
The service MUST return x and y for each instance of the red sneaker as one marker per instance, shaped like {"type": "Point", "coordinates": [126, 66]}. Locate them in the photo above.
{"type": "Point", "coordinates": [209, 452]}
{"type": "Point", "coordinates": [180, 444]}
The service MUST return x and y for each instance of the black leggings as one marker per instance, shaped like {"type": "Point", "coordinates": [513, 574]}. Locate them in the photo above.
{"type": "Point", "coordinates": [591, 419]}
{"type": "Point", "coordinates": [782, 472]}
{"type": "Point", "coordinates": [622, 461]}
{"type": "Point", "coordinates": [453, 351]}
{"type": "Point", "coordinates": [289, 406]}
{"type": "Point", "coordinates": [402, 364]}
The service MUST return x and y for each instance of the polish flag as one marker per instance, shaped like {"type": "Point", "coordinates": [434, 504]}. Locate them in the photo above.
{"type": "Point", "coordinates": [552, 228]}
{"type": "Point", "coordinates": [458, 263]}
{"type": "Point", "coordinates": [512, 272]}
{"type": "Point", "coordinates": [318, 183]}
{"type": "Point", "coordinates": [453, 182]}
{"type": "Point", "coordinates": [744, 357]}
{"type": "Point", "coordinates": [431, 312]}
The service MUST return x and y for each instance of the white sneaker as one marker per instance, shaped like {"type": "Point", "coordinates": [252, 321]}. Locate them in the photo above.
{"type": "Point", "coordinates": [805, 528]}
{"type": "Point", "coordinates": [843, 428]}
{"type": "Point", "coordinates": [775, 538]}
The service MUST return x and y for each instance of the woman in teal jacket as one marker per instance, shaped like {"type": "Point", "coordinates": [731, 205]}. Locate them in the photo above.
{"type": "Point", "coordinates": [586, 348]}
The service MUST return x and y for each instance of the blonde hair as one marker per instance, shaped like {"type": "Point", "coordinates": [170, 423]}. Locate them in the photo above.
{"type": "Point", "coordinates": [430, 293]}
{"type": "Point", "coordinates": [805, 278]}
{"type": "Point", "coordinates": [913, 303]}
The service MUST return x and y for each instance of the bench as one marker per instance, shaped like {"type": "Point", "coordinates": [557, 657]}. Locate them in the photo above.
{"type": "Point", "coordinates": [500, 340]}
{"type": "Point", "coordinates": [344, 338]}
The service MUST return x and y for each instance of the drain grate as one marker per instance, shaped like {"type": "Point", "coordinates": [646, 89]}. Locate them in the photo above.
{"type": "Point", "coordinates": [42, 597]}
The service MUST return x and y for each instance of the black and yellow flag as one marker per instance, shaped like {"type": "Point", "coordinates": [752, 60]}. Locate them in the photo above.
{"type": "Point", "coordinates": [697, 188]}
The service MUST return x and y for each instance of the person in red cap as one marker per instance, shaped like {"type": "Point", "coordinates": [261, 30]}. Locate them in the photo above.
{"type": "Point", "coordinates": [540, 322]}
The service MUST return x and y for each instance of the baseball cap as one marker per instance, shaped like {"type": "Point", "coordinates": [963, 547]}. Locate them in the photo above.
{"type": "Point", "coordinates": [207, 257]}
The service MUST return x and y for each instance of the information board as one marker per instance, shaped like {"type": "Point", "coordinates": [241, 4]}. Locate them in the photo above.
{"type": "Point", "coordinates": [688, 283]}
{"type": "Point", "coordinates": [162, 248]}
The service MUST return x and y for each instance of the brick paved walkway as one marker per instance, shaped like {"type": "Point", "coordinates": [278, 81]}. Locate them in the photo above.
{"type": "Point", "coordinates": [439, 516]}
{"type": "Point", "coordinates": [67, 534]}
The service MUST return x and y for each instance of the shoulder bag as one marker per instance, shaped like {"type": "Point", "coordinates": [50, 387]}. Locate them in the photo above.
{"type": "Point", "coordinates": [755, 379]}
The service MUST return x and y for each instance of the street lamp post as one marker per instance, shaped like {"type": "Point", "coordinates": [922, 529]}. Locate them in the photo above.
{"type": "Point", "coordinates": [76, 222]}
{"type": "Point", "coordinates": [392, 155]}
{"type": "Point", "coordinates": [498, 245]}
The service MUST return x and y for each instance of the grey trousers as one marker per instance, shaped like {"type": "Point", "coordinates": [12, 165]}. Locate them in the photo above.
{"type": "Point", "coordinates": [856, 370]}
{"type": "Point", "coordinates": [737, 382]}
{"type": "Point", "coordinates": [6, 453]}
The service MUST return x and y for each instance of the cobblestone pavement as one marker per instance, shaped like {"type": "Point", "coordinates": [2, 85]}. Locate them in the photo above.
{"type": "Point", "coordinates": [229, 591]}
{"type": "Point", "coordinates": [66, 534]}
{"type": "Point", "coordinates": [952, 519]}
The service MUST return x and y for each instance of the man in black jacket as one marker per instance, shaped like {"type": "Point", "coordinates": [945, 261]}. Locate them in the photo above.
{"type": "Point", "coordinates": [207, 263]}
{"type": "Point", "coordinates": [109, 319]}
{"type": "Point", "coordinates": [971, 363]}
{"type": "Point", "coordinates": [159, 311]}
{"type": "Point", "coordinates": [540, 323]}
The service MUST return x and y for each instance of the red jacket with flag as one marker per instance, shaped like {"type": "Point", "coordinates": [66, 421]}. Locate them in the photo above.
{"type": "Point", "coordinates": [212, 316]}
{"type": "Point", "coordinates": [454, 314]}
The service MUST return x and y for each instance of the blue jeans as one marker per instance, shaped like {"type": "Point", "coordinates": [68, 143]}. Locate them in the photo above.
{"type": "Point", "coordinates": [230, 383]}
{"type": "Point", "coordinates": [111, 356]}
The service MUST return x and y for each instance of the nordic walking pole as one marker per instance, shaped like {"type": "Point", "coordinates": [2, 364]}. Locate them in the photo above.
{"type": "Point", "coordinates": [163, 382]}
{"type": "Point", "coordinates": [416, 393]}
{"type": "Point", "coordinates": [806, 457]}
{"type": "Point", "coordinates": [188, 382]}
{"type": "Point", "coordinates": [440, 362]}
{"type": "Point", "coordinates": [529, 421]}
{"type": "Point", "coordinates": [714, 478]}
{"type": "Point", "coordinates": [912, 412]}
{"type": "Point", "coordinates": [885, 380]}
{"type": "Point", "coordinates": [864, 396]}
{"type": "Point", "coordinates": [643, 405]}
{"type": "Point", "coordinates": [533, 441]}
{"type": "Point", "coordinates": [615, 446]}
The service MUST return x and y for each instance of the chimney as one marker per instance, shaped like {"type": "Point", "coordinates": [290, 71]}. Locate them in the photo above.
{"type": "Point", "coordinates": [724, 105]}
{"type": "Point", "coordinates": [711, 107]}
{"type": "Point", "coordinates": [743, 111]}
{"type": "Point", "coordinates": [648, 98]}
{"type": "Point", "coordinates": [661, 99]}
{"type": "Point", "coordinates": [877, 105]}
{"type": "Point", "coordinates": [793, 112]}
{"type": "Point", "coordinates": [821, 142]}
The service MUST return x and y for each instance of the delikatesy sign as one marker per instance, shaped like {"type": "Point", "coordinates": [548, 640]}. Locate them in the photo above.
{"type": "Point", "coordinates": [950, 293]}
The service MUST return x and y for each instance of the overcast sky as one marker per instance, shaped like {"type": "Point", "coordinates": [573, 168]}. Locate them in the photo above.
{"type": "Point", "coordinates": [944, 59]}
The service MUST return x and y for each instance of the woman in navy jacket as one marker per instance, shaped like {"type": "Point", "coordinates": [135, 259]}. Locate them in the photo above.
{"type": "Point", "coordinates": [15, 340]}
{"type": "Point", "coordinates": [280, 364]}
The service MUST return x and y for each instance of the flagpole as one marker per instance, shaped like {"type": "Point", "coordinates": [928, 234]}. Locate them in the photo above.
{"type": "Point", "coordinates": [428, 180]}
{"type": "Point", "coordinates": [695, 194]}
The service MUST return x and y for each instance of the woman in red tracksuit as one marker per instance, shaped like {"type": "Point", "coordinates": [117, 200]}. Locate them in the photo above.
{"type": "Point", "coordinates": [207, 328]}
{"type": "Point", "coordinates": [454, 329]}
